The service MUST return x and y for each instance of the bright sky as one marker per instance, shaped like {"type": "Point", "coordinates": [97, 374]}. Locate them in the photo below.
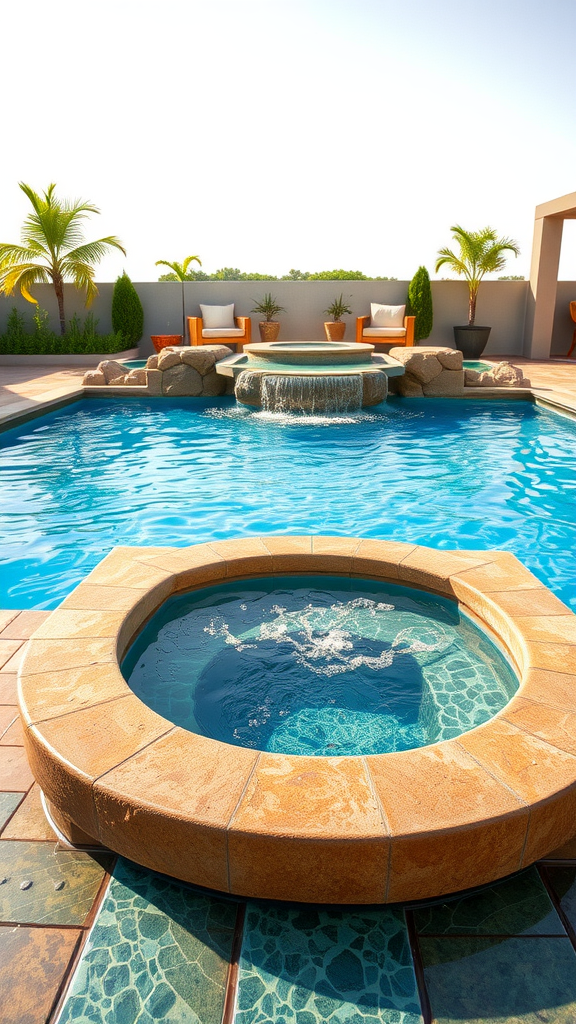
{"type": "Point", "coordinates": [270, 134]}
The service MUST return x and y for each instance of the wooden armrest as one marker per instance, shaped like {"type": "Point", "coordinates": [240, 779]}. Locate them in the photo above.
{"type": "Point", "coordinates": [361, 323]}
{"type": "Point", "coordinates": [195, 330]}
{"type": "Point", "coordinates": [245, 323]}
{"type": "Point", "coordinates": [409, 322]}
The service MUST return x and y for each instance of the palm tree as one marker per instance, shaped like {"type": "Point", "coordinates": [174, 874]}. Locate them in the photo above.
{"type": "Point", "coordinates": [481, 252]}
{"type": "Point", "coordinates": [179, 271]}
{"type": "Point", "coordinates": [53, 249]}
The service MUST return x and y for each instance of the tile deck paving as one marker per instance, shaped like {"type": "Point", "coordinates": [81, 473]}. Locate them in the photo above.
{"type": "Point", "coordinates": [521, 970]}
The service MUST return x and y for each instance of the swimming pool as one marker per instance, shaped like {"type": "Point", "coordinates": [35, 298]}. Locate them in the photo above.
{"type": "Point", "coordinates": [443, 473]}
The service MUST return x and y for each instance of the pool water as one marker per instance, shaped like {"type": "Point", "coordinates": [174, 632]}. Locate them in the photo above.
{"type": "Point", "coordinates": [469, 364]}
{"type": "Point", "coordinates": [447, 473]}
{"type": "Point", "coordinates": [318, 665]}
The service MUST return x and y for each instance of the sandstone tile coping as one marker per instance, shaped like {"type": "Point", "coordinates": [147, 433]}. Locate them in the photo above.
{"type": "Point", "coordinates": [382, 828]}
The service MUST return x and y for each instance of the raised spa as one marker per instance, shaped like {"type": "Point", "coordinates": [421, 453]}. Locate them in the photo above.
{"type": "Point", "coordinates": [318, 665]}
{"type": "Point", "coordinates": [330, 825]}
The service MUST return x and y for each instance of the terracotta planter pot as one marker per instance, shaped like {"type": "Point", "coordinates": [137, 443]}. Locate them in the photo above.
{"type": "Point", "coordinates": [269, 330]}
{"type": "Point", "coordinates": [335, 330]}
{"type": "Point", "coordinates": [161, 341]}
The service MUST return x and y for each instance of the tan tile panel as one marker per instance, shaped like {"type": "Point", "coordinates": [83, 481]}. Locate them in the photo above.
{"type": "Point", "coordinates": [556, 629]}
{"type": "Point", "coordinates": [380, 558]}
{"type": "Point", "coordinates": [8, 688]}
{"type": "Point", "coordinates": [8, 713]}
{"type": "Point", "coordinates": [191, 566]}
{"type": "Point", "coordinates": [7, 616]}
{"type": "Point", "coordinates": [13, 664]}
{"type": "Point", "coordinates": [24, 625]}
{"type": "Point", "coordinates": [556, 689]}
{"type": "Point", "coordinates": [13, 737]}
{"type": "Point", "coordinates": [15, 774]}
{"type": "Point", "coordinates": [54, 655]}
{"type": "Point", "coordinates": [47, 695]}
{"type": "Point", "coordinates": [555, 726]}
{"type": "Point", "coordinates": [168, 806]}
{"type": "Point", "coordinates": [334, 554]}
{"type": "Point", "coordinates": [29, 823]}
{"type": "Point", "coordinates": [67, 624]}
{"type": "Point", "coordinates": [290, 554]}
{"type": "Point", "coordinates": [8, 648]}
{"type": "Point", "coordinates": [248, 556]}
{"type": "Point", "coordinates": [431, 568]}
{"type": "Point", "coordinates": [302, 811]}
{"type": "Point", "coordinates": [446, 817]}
{"type": "Point", "coordinates": [68, 754]}
{"type": "Point", "coordinates": [504, 572]}
{"type": "Point", "coordinates": [122, 568]}
{"type": "Point", "coordinates": [542, 654]}
{"type": "Point", "coordinates": [541, 775]}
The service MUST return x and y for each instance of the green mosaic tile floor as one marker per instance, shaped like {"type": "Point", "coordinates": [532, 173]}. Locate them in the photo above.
{"type": "Point", "coordinates": [157, 952]}
{"type": "Point", "coordinates": [160, 951]}
{"type": "Point", "coordinates": [310, 966]}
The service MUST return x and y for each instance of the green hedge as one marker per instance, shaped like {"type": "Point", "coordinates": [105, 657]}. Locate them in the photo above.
{"type": "Point", "coordinates": [80, 338]}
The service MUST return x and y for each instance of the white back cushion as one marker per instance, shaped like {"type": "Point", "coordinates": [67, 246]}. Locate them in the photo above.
{"type": "Point", "coordinates": [386, 316]}
{"type": "Point", "coordinates": [217, 316]}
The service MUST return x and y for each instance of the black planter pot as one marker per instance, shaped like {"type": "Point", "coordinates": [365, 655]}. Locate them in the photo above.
{"type": "Point", "coordinates": [471, 340]}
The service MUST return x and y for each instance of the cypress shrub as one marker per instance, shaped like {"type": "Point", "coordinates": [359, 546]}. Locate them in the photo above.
{"type": "Point", "coordinates": [420, 304]}
{"type": "Point", "coordinates": [127, 312]}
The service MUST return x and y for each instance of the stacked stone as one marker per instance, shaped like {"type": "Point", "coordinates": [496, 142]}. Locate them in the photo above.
{"type": "Point", "coordinates": [431, 371]}
{"type": "Point", "coordinates": [179, 372]}
{"type": "Point", "coordinates": [438, 372]}
{"type": "Point", "coordinates": [503, 375]}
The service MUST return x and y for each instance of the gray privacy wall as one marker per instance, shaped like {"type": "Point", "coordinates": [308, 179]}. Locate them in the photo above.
{"type": "Point", "coordinates": [501, 305]}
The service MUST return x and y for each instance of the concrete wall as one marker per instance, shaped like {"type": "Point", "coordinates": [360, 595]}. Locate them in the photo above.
{"type": "Point", "coordinates": [501, 304]}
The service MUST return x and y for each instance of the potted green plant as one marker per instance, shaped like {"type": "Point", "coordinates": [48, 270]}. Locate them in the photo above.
{"type": "Point", "coordinates": [335, 328]}
{"type": "Point", "coordinates": [268, 308]}
{"type": "Point", "coordinates": [481, 252]}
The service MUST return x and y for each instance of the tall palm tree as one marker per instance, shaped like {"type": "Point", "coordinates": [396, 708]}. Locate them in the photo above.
{"type": "Point", "coordinates": [481, 252]}
{"type": "Point", "coordinates": [179, 271]}
{"type": "Point", "coordinates": [53, 249]}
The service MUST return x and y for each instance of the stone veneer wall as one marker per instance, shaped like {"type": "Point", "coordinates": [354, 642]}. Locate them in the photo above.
{"type": "Point", "coordinates": [176, 372]}
{"type": "Point", "coordinates": [438, 372]}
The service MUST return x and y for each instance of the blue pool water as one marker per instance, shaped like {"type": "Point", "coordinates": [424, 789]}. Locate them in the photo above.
{"type": "Point", "coordinates": [318, 665]}
{"type": "Point", "coordinates": [445, 473]}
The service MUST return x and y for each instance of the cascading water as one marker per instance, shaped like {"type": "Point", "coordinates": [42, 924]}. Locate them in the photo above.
{"type": "Point", "coordinates": [311, 394]}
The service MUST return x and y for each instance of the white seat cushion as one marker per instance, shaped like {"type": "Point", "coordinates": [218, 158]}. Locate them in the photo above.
{"type": "Point", "coordinates": [215, 317]}
{"type": "Point", "coordinates": [386, 316]}
{"type": "Point", "coordinates": [222, 332]}
{"type": "Point", "coordinates": [384, 332]}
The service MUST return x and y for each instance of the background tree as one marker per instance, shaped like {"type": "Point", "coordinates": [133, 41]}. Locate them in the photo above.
{"type": "Point", "coordinates": [53, 249]}
{"type": "Point", "coordinates": [179, 273]}
{"type": "Point", "coordinates": [420, 304]}
{"type": "Point", "coordinates": [127, 312]}
{"type": "Point", "coordinates": [481, 252]}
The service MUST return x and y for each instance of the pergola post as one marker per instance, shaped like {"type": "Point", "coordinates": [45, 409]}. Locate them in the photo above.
{"type": "Point", "coordinates": [541, 300]}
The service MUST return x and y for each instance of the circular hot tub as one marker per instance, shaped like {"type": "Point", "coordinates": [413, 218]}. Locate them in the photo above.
{"type": "Point", "coordinates": [264, 818]}
{"type": "Point", "coordinates": [313, 353]}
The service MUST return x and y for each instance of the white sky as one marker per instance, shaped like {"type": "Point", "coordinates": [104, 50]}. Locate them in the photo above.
{"type": "Point", "coordinates": [270, 134]}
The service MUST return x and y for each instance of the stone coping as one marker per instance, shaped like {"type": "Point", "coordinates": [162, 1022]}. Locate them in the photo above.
{"type": "Point", "coordinates": [364, 829]}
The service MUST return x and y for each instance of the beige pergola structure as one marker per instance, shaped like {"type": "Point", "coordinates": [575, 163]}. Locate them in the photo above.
{"type": "Point", "coordinates": [541, 302]}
